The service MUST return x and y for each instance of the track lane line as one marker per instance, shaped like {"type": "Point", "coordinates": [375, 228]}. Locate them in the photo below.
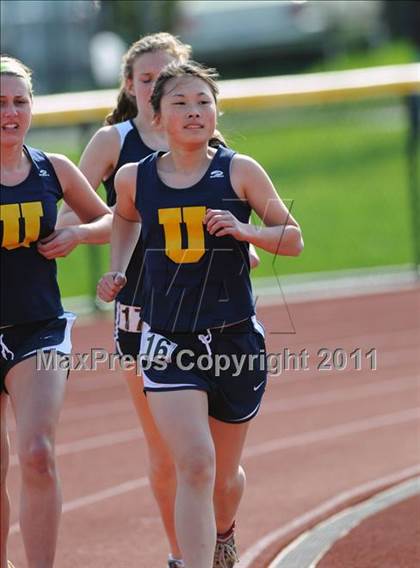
{"type": "Point", "coordinates": [93, 443]}
{"type": "Point", "coordinates": [251, 555]}
{"type": "Point", "coordinates": [97, 497]}
{"type": "Point", "coordinates": [311, 401]}
{"type": "Point", "coordinates": [311, 546]}
{"type": "Point", "coordinates": [258, 450]}
{"type": "Point", "coordinates": [286, 405]}
{"type": "Point", "coordinates": [332, 432]}
{"type": "Point", "coordinates": [77, 413]}
{"type": "Point", "coordinates": [87, 411]}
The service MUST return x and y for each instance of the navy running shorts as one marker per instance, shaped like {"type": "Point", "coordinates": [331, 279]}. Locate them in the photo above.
{"type": "Point", "coordinates": [22, 341]}
{"type": "Point", "coordinates": [228, 363]}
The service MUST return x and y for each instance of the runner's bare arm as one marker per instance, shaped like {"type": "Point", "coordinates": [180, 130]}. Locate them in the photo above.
{"type": "Point", "coordinates": [105, 145]}
{"type": "Point", "coordinates": [126, 229]}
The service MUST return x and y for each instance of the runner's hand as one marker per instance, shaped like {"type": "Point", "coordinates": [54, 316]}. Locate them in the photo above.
{"type": "Point", "coordinates": [221, 223]}
{"type": "Point", "coordinates": [109, 285]}
{"type": "Point", "coordinates": [59, 243]}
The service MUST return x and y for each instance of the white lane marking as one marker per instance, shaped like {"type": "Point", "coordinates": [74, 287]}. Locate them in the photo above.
{"type": "Point", "coordinates": [123, 405]}
{"type": "Point", "coordinates": [250, 555]}
{"type": "Point", "coordinates": [311, 546]}
{"type": "Point", "coordinates": [97, 409]}
{"type": "Point", "coordinates": [332, 432]}
{"type": "Point", "coordinates": [272, 446]}
{"type": "Point", "coordinates": [311, 400]}
{"type": "Point", "coordinates": [92, 443]}
{"type": "Point", "coordinates": [88, 411]}
{"type": "Point", "coordinates": [93, 498]}
{"type": "Point", "coordinates": [105, 440]}
{"type": "Point", "coordinates": [407, 338]}
{"type": "Point", "coordinates": [346, 284]}
{"type": "Point", "coordinates": [298, 289]}
{"type": "Point", "coordinates": [387, 363]}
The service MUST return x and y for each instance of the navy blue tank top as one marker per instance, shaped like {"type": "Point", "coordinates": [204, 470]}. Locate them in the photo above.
{"type": "Point", "coordinates": [28, 213]}
{"type": "Point", "coordinates": [133, 149]}
{"type": "Point", "coordinates": [192, 280]}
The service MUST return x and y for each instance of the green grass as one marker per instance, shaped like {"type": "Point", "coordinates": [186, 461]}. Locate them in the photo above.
{"type": "Point", "coordinates": [392, 53]}
{"type": "Point", "coordinates": [344, 173]}
{"type": "Point", "coordinates": [342, 167]}
{"type": "Point", "coordinates": [77, 274]}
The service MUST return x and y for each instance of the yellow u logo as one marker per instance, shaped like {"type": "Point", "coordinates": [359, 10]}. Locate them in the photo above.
{"type": "Point", "coordinates": [171, 220]}
{"type": "Point", "coordinates": [10, 214]}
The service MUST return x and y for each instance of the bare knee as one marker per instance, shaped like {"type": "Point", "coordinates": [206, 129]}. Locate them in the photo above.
{"type": "Point", "coordinates": [228, 484]}
{"type": "Point", "coordinates": [197, 468]}
{"type": "Point", "coordinates": [37, 459]}
{"type": "Point", "coordinates": [4, 461]}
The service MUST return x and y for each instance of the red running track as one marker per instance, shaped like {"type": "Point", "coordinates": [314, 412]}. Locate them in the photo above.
{"type": "Point", "coordinates": [320, 433]}
{"type": "Point", "coordinates": [389, 539]}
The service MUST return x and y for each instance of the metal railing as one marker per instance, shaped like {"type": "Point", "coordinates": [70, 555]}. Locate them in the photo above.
{"type": "Point", "coordinates": [85, 108]}
{"type": "Point", "coordinates": [246, 94]}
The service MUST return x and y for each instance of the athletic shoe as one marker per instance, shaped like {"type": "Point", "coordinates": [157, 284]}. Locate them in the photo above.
{"type": "Point", "coordinates": [225, 555]}
{"type": "Point", "coordinates": [176, 564]}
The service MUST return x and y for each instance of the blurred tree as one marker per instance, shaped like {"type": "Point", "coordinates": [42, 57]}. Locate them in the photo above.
{"type": "Point", "coordinates": [133, 18]}
{"type": "Point", "coordinates": [402, 18]}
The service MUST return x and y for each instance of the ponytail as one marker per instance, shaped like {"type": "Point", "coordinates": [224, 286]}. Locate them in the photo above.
{"type": "Point", "coordinates": [126, 105]}
{"type": "Point", "coordinates": [126, 108]}
{"type": "Point", "coordinates": [217, 140]}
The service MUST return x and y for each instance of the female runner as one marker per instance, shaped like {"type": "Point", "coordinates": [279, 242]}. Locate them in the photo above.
{"type": "Point", "coordinates": [194, 204]}
{"type": "Point", "coordinates": [32, 317]}
{"type": "Point", "coordinates": [130, 135]}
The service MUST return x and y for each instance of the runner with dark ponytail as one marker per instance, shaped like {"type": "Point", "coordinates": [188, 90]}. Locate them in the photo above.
{"type": "Point", "coordinates": [126, 103]}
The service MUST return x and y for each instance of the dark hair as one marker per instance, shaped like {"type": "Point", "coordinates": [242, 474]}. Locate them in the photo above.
{"type": "Point", "coordinates": [15, 68]}
{"type": "Point", "coordinates": [126, 107]}
{"type": "Point", "coordinates": [188, 69]}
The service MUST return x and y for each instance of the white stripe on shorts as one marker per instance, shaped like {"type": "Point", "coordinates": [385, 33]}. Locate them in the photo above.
{"type": "Point", "coordinates": [258, 326]}
{"type": "Point", "coordinates": [65, 346]}
{"type": "Point", "coordinates": [168, 386]}
{"type": "Point", "coordinates": [248, 416]}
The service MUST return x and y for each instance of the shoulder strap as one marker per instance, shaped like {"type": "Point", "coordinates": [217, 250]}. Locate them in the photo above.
{"type": "Point", "coordinates": [45, 168]}
{"type": "Point", "coordinates": [123, 129]}
{"type": "Point", "coordinates": [221, 162]}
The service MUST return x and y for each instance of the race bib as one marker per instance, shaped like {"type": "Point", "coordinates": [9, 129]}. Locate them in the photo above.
{"type": "Point", "coordinates": [155, 347]}
{"type": "Point", "coordinates": [128, 318]}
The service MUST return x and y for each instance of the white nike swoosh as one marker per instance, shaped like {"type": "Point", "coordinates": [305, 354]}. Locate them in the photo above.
{"type": "Point", "coordinates": [259, 386]}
